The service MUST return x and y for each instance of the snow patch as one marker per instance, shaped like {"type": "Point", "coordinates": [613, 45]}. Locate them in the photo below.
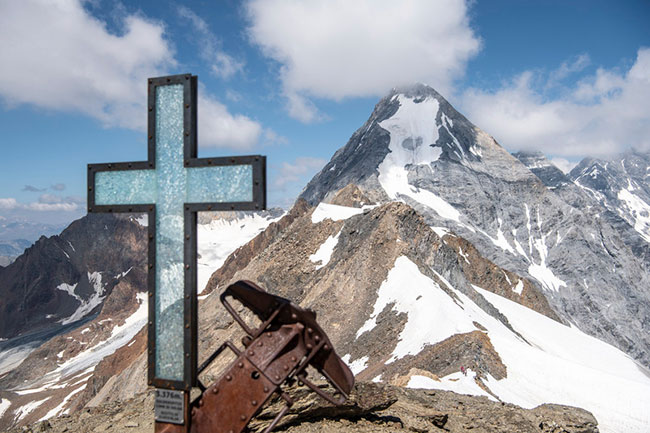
{"type": "Point", "coordinates": [143, 220]}
{"type": "Point", "coordinates": [57, 410]}
{"type": "Point", "coordinates": [123, 274]}
{"type": "Point", "coordinates": [456, 382]}
{"type": "Point", "coordinates": [413, 131]}
{"type": "Point", "coordinates": [120, 335]}
{"type": "Point", "coordinates": [11, 358]}
{"type": "Point", "coordinates": [95, 279]}
{"type": "Point", "coordinates": [324, 253]}
{"type": "Point", "coordinates": [221, 237]}
{"type": "Point", "coordinates": [519, 287]}
{"type": "Point", "coordinates": [565, 366]}
{"type": "Point", "coordinates": [356, 366]}
{"type": "Point", "coordinates": [463, 255]}
{"type": "Point", "coordinates": [432, 313]}
{"type": "Point", "coordinates": [25, 410]}
{"type": "Point", "coordinates": [4, 405]}
{"type": "Point", "coordinates": [335, 212]}
{"type": "Point", "coordinates": [637, 210]}
{"type": "Point", "coordinates": [440, 231]}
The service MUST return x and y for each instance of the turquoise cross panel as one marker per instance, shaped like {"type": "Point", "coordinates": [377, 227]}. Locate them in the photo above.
{"type": "Point", "coordinates": [172, 186]}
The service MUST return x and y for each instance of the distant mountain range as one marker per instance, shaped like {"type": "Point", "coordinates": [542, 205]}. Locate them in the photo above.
{"type": "Point", "coordinates": [15, 236]}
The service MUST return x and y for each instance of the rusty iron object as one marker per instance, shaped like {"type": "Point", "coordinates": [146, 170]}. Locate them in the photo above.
{"type": "Point", "coordinates": [276, 353]}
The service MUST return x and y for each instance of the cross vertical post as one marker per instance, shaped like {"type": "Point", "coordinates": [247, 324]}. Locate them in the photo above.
{"type": "Point", "coordinates": [171, 187]}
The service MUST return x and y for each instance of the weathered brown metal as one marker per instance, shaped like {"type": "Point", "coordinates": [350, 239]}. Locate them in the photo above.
{"type": "Point", "coordinates": [277, 352]}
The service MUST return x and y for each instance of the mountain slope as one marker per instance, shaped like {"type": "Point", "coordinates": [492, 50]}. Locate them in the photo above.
{"type": "Point", "coordinates": [409, 307]}
{"type": "Point", "coordinates": [57, 368]}
{"type": "Point", "coordinates": [64, 278]}
{"type": "Point", "coordinates": [418, 149]}
{"type": "Point", "coordinates": [621, 184]}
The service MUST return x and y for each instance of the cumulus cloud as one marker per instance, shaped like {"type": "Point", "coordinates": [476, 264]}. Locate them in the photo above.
{"type": "Point", "coordinates": [222, 64]}
{"type": "Point", "coordinates": [339, 48]}
{"type": "Point", "coordinates": [601, 115]}
{"type": "Point", "coordinates": [45, 203]}
{"type": "Point", "coordinates": [218, 128]}
{"type": "Point", "coordinates": [293, 172]}
{"type": "Point", "coordinates": [55, 55]}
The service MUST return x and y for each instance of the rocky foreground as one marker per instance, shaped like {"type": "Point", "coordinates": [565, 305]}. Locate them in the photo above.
{"type": "Point", "coordinates": [371, 408]}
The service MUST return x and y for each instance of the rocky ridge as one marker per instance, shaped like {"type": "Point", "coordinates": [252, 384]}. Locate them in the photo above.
{"type": "Point", "coordinates": [417, 148]}
{"type": "Point", "coordinates": [371, 408]}
{"type": "Point", "coordinates": [64, 278]}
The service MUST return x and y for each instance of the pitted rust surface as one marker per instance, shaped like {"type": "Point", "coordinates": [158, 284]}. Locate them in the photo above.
{"type": "Point", "coordinates": [277, 353]}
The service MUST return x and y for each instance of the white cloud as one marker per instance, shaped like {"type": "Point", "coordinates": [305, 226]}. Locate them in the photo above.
{"type": "Point", "coordinates": [293, 172]}
{"type": "Point", "coordinates": [8, 203]}
{"type": "Point", "coordinates": [339, 48]}
{"type": "Point", "coordinates": [601, 115]}
{"type": "Point", "coordinates": [56, 56]}
{"type": "Point", "coordinates": [45, 203]}
{"type": "Point", "coordinates": [222, 65]}
{"type": "Point", "coordinates": [563, 164]}
{"type": "Point", "coordinates": [218, 128]}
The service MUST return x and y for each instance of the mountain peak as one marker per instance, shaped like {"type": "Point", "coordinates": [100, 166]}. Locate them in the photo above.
{"type": "Point", "coordinates": [415, 90]}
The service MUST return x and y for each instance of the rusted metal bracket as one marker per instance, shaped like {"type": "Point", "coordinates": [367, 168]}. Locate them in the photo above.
{"type": "Point", "coordinates": [276, 353]}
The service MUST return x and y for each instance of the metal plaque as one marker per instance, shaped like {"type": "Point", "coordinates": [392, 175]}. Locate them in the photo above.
{"type": "Point", "coordinates": [170, 406]}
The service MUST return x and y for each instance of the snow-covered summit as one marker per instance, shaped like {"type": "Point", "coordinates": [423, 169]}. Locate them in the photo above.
{"type": "Point", "coordinates": [519, 211]}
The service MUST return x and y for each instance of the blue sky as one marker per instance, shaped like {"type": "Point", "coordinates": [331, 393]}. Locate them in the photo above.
{"type": "Point", "coordinates": [293, 80]}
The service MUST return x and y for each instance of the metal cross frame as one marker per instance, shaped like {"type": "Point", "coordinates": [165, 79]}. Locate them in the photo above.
{"type": "Point", "coordinates": [134, 187]}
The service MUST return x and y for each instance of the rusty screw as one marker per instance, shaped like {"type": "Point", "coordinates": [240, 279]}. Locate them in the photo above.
{"type": "Point", "coordinates": [228, 378]}
{"type": "Point", "coordinates": [254, 402]}
{"type": "Point", "coordinates": [215, 390]}
{"type": "Point", "coordinates": [240, 365]}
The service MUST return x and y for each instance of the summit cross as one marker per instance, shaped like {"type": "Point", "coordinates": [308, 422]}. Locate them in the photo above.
{"type": "Point", "coordinates": [171, 187]}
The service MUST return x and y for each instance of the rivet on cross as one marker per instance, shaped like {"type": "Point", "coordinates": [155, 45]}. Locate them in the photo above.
{"type": "Point", "coordinates": [172, 186]}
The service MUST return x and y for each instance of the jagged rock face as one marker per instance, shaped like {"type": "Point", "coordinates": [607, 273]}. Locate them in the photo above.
{"type": "Point", "coordinates": [64, 367]}
{"type": "Point", "coordinates": [402, 304]}
{"type": "Point", "coordinates": [417, 149]}
{"type": "Point", "coordinates": [621, 185]}
{"type": "Point", "coordinates": [64, 278]}
{"type": "Point", "coordinates": [589, 201]}
{"type": "Point", "coordinates": [544, 169]}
